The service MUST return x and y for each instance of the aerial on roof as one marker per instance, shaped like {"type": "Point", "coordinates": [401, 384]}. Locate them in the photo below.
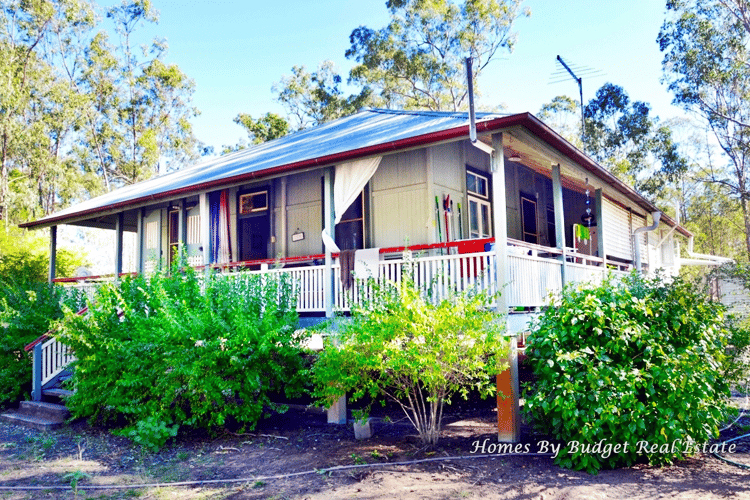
{"type": "Point", "coordinates": [367, 133]}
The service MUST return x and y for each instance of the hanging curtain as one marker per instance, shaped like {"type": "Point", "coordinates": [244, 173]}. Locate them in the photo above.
{"type": "Point", "coordinates": [214, 202]}
{"type": "Point", "coordinates": [221, 252]}
{"type": "Point", "coordinates": [350, 180]}
{"type": "Point", "coordinates": [224, 247]}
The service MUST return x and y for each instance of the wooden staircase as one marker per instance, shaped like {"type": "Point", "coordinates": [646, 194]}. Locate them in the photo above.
{"type": "Point", "coordinates": [39, 415]}
{"type": "Point", "coordinates": [47, 409]}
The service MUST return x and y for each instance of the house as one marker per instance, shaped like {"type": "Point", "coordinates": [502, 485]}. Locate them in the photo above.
{"type": "Point", "coordinates": [519, 209]}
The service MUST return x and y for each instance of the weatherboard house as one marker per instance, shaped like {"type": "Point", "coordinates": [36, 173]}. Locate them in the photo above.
{"type": "Point", "coordinates": [519, 210]}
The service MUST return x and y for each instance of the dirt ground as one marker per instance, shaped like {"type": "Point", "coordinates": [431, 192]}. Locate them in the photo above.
{"type": "Point", "coordinates": [298, 455]}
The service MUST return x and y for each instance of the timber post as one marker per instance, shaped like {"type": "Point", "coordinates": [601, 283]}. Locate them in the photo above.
{"type": "Point", "coordinates": [36, 378]}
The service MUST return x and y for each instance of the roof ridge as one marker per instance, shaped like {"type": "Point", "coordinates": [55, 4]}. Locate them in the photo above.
{"type": "Point", "coordinates": [462, 115]}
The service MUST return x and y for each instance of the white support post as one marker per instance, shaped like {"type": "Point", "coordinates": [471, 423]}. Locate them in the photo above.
{"type": "Point", "coordinates": [337, 412]}
{"type": "Point", "coordinates": [181, 230]}
{"type": "Point", "coordinates": [559, 217]}
{"type": "Point", "coordinates": [139, 241]}
{"type": "Point", "coordinates": [205, 229]}
{"type": "Point", "coordinates": [508, 413]}
{"type": "Point", "coordinates": [599, 209]}
{"type": "Point", "coordinates": [119, 229]}
{"type": "Point", "coordinates": [328, 224]}
{"type": "Point", "coordinates": [52, 254]}
{"type": "Point", "coordinates": [283, 230]}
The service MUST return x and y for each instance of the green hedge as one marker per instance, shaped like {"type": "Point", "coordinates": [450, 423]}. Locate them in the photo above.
{"type": "Point", "coordinates": [636, 364]}
{"type": "Point", "coordinates": [186, 351]}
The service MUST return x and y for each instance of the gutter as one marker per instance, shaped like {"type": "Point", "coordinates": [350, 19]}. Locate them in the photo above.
{"type": "Point", "coordinates": [645, 229]}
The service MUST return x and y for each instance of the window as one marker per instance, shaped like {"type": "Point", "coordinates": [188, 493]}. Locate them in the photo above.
{"type": "Point", "coordinates": [476, 184]}
{"type": "Point", "coordinates": [480, 211]}
{"type": "Point", "coordinates": [253, 202]}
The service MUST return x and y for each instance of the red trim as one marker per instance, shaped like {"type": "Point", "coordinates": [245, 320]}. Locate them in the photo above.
{"type": "Point", "coordinates": [47, 335]}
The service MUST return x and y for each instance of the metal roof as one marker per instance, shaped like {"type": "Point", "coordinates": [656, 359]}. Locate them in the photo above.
{"type": "Point", "coordinates": [366, 133]}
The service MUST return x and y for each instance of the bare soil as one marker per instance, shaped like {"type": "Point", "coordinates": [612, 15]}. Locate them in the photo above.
{"type": "Point", "coordinates": [291, 456]}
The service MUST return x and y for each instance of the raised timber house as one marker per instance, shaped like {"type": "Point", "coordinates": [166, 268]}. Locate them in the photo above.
{"type": "Point", "coordinates": [520, 210]}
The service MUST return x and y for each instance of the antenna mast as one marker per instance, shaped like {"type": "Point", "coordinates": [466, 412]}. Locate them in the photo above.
{"type": "Point", "coordinates": [580, 90]}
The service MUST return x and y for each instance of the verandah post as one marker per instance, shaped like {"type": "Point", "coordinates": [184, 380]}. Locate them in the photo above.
{"type": "Point", "coordinates": [599, 211]}
{"type": "Point", "coordinates": [337, 411]}
{"type": "Point", "coordinates": [559, 217]}
{"type": "Point", "coordinates": [36, 377]}
{"type": "Point", "coordinates": [119, 229]}
{"type": "Point", "coordinates": [52, 253]}
{"type": "Point", "coordinates": [508, 414]}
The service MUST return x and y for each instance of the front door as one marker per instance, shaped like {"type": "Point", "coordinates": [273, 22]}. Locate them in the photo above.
{"type": "Point", "coordinates": [529, 219]}
{"type": "Point", "coordinates": [254, 225]}
{"type": "Point", "coordinates": [254, 234]}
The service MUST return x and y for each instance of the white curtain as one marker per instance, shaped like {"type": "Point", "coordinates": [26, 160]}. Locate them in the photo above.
{"type": "Point", "coordinates": [350, 180]}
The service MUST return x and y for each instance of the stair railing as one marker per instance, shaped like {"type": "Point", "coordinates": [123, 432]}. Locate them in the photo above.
{"type": "Point", "coordinates": [50, 357]}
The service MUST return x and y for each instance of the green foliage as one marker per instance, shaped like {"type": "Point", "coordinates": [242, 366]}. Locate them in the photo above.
{"type": "Point", "coordinates": [628, 363]}
{"type": "Point", "coordinates": [185, 350]}
{"type": "Point", "coordinates": [81, 114]}
{"type": "Point", "coordinates": [27, 311]}
{"type": "Point", "coordinates": [24, 257]}
{"type": "Point", "coordinates": [266, 128]}
{"type": "Point", "coordinates": [401, 347]}
{"type": "Point", "coordinates": [417, 60]}
{"type": "Point", "coordinates": [311, 99]}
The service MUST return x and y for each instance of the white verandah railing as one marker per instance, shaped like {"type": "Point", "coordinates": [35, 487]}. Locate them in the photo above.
{"type": "Point", "coordinates": [534, 273]}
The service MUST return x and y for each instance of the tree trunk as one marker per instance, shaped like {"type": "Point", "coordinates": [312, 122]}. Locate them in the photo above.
{"type": "Point", "coordinates": [746, 219]}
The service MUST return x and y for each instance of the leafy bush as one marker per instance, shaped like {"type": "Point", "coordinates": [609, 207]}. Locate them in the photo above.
{"type": "Point", "coordinates": [635, 364]}
{"type": "Point", "coordinates": [185, 351]}
{"type": "Point", "coordinates": [26, 312]}
{"type": "Point", "coordinates": [24, 257]}
{"type": "Point", "coordinates": [401, 347]}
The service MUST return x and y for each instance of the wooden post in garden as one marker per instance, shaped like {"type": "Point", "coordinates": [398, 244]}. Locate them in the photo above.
{"type": "Point", "coordinates": [508, 417]}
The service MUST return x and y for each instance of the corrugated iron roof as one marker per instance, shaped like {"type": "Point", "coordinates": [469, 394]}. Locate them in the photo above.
{"type": "Point", "coordinates": [360, 131]}
{"type": "Point", "coordinates": [366, 133]}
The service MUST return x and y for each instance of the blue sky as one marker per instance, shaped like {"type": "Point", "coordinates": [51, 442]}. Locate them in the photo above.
{"type": "Point", "coordinates": [236, 50]}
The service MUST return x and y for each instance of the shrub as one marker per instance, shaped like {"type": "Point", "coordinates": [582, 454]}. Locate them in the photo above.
{"type": "Point", "coordinates": [185, 351]}
{"type": "Point", "coordinates": [401, 347]}
{"type": "Point", "coordinates": [628, 364]}
{"type": "Point", "coordinates": [27, 311]}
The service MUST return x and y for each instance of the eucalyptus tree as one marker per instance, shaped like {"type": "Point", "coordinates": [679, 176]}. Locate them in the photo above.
{"type": "Point", "coordinates": [706, 46]}
{"type": "Point", "coordinates": [623, 136]}
{"type": "Point", "coordinates": [417, 60]}
{"type": "Point", "coordinates": [79, 113]}
{"type": "Point", "coordinates": [139, 112]}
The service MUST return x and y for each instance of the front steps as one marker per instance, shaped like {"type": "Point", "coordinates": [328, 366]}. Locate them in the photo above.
{"type": "Point", "coordinates": [38, 415]}
{"type": "Point", "coordinates": [41, 415]}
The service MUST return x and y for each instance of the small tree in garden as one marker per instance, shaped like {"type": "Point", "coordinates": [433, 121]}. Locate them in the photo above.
{"type": "Point", "coordinates": [401, 347]}
{"type": "Point", "coordinates": [628, 371]}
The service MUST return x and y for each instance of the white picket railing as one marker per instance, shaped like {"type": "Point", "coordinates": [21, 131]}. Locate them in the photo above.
{"type": "Point", "coordinates": [533, 274]}
{"type": "Point", "coordinates": [55, 357]}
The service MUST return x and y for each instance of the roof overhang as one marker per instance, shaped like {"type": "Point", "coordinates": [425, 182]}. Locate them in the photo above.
{"type": "Point", "coordinates": [489, 126]}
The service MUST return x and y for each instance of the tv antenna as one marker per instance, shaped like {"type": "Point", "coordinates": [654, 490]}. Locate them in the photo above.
{"type": "Point", "coordinates": [579, 80]}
